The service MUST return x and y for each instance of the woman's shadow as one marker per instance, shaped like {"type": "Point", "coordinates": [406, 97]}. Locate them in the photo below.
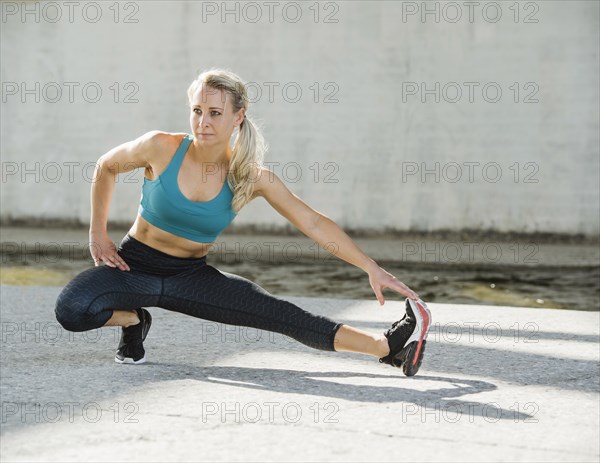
{"type": "Point", "coordinates": [412, 390]}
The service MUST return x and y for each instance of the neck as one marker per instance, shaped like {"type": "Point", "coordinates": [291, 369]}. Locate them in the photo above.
{"type": "Point", "coordinates": [211, 154]}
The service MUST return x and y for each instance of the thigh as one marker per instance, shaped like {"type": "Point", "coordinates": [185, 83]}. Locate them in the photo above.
{"type": "Point", "coordinates": [206, 293]}
{"type": "Point", "coordinates": [225, 297]}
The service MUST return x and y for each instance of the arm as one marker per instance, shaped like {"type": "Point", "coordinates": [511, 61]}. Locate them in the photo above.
{"type": "Point", "coordinates": [123, 158]}
{"type": "Point", "coordinates": [331, 237]}
{"type": "Point", "coordinates": [325, 232]}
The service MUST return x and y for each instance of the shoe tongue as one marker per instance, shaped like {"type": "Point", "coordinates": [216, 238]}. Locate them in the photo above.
{"type": "Point", "coordinates": [133, 333]}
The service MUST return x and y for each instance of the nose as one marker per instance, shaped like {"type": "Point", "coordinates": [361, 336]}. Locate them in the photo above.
{"type": "Point", "coordinates": [203, 121]}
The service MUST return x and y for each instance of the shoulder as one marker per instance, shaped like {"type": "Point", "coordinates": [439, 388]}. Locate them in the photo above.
{"type": "Point", "coordinates": [156, 142]}
{"type": "Point", "coordinates": [266, 182]}
{"type": "Point", "coordinates": [159, 139]}
{"type": "Point", "coordinates": [259, 178]}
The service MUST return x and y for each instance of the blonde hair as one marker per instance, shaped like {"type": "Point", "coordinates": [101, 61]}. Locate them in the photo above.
{"type": "Point", "coordinates": [249, 147]}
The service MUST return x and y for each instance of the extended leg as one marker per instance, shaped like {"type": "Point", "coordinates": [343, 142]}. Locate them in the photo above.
{"type": "Point", "coordinates": [224, 297]}
{"type": "Point", "coordinates": [354, 340]}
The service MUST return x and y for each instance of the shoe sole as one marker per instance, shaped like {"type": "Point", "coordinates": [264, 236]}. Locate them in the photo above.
{"type": "Point", "coordinates": [408, 368]}
{"type": "Point", "coordinates": [411, 355]}
{"type": "Point", "coordinates": [130, 360]}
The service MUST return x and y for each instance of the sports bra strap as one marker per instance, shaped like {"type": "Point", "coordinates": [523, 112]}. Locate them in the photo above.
{"type": "Point", "coordinates": [172, 170]}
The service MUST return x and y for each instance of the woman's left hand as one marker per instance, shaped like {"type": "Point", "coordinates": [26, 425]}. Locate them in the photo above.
{"type": "Point", "coordinates": [380, 279]}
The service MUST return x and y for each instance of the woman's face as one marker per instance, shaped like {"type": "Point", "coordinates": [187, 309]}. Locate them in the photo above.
{"type": "Point", "coordinates": [211, 116]}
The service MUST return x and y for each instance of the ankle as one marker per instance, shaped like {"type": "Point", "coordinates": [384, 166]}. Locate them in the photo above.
{"type": "Point", "coordinates": [133, 320]}
{"type": "Point", "coordinates": [383, 346]}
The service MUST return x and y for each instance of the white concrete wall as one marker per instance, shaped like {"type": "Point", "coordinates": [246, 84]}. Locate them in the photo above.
{"type": "Point", "coordinates": [373, 139]}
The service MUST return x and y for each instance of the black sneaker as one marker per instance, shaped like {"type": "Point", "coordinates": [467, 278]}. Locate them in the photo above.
{"type": "Point", "coordinates": [131, 348]}
{"type": "Point", "coordinates": [406, 338]}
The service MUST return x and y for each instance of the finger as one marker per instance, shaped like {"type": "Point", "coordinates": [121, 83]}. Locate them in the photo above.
{"type": "Point", "coordinates": [124, 264]}
{"type": "Point", "coordinates": [411, 294]}
{"type": "Point", "coordinates": [379, 295]}
{"type": "Point", "coordinates": [405, 290]}
{"type": "Point", "coordinates": [121, 262]}
{"type": "Point", "coordinates": [115, 260]}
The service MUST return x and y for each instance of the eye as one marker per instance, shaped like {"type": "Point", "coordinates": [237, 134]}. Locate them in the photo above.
{"type": "Point", "coordinates": [198, 111]}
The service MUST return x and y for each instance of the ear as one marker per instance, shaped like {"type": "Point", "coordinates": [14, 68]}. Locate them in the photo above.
{"type": "Point", "coordinates": [240, 118]}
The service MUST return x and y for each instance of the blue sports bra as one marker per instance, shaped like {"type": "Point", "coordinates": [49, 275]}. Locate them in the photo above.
{"type": "Point", "coordinates": [164, 205]}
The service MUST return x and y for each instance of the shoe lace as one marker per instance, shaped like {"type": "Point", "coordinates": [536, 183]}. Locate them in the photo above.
{"type": "Point", "coordinates": [400, 332]}
{"type": "Point", "coordinates": [405, 319]}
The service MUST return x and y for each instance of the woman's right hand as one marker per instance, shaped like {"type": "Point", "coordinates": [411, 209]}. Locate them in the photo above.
{"type": "Point", "coordinates": [104, 250]}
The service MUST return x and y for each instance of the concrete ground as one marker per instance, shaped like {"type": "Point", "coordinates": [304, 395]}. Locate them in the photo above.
{"type": "Point", "coordinates": [497, 384]}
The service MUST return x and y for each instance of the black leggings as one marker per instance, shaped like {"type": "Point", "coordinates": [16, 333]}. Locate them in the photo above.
{"type": "Point", "coordinates": [186, 285]}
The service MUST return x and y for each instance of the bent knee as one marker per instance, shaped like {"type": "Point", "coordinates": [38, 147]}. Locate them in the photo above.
{"type": "Point", "coordinates": [71, 312]}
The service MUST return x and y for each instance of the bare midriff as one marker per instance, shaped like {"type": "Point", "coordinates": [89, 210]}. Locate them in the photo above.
{"type": "Point", "coordinates": [167, 242]}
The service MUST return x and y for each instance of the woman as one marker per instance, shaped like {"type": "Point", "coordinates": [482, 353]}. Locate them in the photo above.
{"type": "Point", "coordinates": [188, 199]}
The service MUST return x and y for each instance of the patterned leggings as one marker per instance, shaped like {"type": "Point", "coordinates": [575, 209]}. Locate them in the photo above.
{"type": "Point", "coordinates": [186, 285]}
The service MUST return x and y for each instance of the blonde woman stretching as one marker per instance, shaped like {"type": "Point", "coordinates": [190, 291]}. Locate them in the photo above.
{"type": "Point", "coordinates": [161, 261]}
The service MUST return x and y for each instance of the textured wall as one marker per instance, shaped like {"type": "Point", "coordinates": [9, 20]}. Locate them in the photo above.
{"type": "Point", "coordinates": [529, 161]}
